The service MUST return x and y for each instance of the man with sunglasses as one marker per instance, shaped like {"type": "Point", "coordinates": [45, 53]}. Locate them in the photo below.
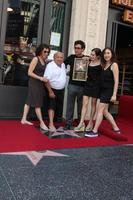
{"type": "Point", "coordinates": [75, 88]}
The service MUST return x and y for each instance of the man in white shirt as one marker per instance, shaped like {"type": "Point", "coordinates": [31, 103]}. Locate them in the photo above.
{"type": "Point", "coordinates": [56, 74]}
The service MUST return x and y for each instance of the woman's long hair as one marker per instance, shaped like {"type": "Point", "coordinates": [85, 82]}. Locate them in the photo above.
{"type": "Point", "coordinates": [97, 51]}
{"type": "Point", "coordinates": [113, 58]}
{"type": "Point", "coordinates": [40, 48]}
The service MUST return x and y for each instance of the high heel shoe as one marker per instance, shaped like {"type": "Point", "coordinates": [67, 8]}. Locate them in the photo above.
{"type": "Point", "coordinates": [89, 128]}
{"type": "Point", "coordinates": [44, 128]}
{"type": "Point", "coordinates": [52, 129]}
{"type": "Point", "coordinates": [80, 128]}
{"type": "Point", "coordinates": [118, 131]}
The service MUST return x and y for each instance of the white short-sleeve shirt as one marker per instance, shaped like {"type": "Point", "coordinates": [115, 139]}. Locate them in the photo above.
{"type": "Point", "coordinates": [56, 75]}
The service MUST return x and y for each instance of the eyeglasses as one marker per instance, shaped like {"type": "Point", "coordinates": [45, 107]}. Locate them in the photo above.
{"type": "Point", "coordinates": [46, 52]}
{"type": "Point", "coordinates": [77, 48]}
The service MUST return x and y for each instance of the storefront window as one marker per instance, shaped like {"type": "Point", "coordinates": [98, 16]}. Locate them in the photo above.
{"type": "Point", "coordinates": [20, 40]}
{"type": "Point", "coordinates": [57, 26]}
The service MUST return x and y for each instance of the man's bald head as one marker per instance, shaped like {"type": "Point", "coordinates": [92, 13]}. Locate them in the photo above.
{"type": "Point", "coordinates": [58, 53]}
{"type": "Point", "coordinates": [59, 58]}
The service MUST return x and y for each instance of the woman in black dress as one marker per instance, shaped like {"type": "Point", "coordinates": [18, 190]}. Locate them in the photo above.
{"type": "Point", "coordinates": [108, 91]}
{"type": "Point", "coordinates": [92, 89]}
{"type": "Point", "coordinates": [36, 89]}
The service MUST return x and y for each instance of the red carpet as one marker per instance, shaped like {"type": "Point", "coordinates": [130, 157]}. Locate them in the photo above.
{"type": "Point", "coordinates": [106, 129]}
{"type": "Point", "coordinates": [17, 137]}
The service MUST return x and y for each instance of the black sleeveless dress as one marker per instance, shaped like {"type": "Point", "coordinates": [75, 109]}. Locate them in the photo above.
{"type": "Point", "coordinates": [36, 89]}
{"type": "Point", "coordinates": [107, 85]}
{"type": "Point", "coordinates": [92, 86]}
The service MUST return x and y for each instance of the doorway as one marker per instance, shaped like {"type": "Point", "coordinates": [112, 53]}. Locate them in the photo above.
{"type": "Point", "coordinates": [124, 52]}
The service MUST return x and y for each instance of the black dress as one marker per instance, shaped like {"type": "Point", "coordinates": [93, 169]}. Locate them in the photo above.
{"type": "Point", "coordinates": [107, 85]}
{"type": "Point", "coordinates": [36, 89]}
{"type": "Point", "coordinates": [92, 86]}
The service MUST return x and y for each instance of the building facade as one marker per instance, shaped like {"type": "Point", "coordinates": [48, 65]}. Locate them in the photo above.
{"type": "Point", "coordinates": [89, 23]}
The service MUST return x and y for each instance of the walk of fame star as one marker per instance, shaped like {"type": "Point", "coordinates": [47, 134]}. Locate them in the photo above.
{"type": "Point", "coordinates": [35, 156]}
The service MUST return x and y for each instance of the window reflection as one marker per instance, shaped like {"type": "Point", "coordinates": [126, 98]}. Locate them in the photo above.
{"type": "Point", "coordinates": [57, 26]}
{"type": "Point", "coordinates": [20, 40]}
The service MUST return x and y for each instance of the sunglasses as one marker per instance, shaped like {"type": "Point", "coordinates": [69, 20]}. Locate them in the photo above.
{"type": "Point", "coordinates": [46, 52]}
{"type": "Point", "coordinates": [77, 48]}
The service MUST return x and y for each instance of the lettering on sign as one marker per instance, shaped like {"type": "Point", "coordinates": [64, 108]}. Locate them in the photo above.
{"type": "Point", "coordinates": [128, 16]}
{"type": "Point", "coordinates": [126, 3]}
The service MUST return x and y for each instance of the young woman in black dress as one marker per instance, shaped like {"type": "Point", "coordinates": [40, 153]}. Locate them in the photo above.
{"type": "Point", "coordinates": [108, 91]}
{"type": "Point", "coordinates": [92, 89]}
{"type": "Point", "coordinates": [36, 88]}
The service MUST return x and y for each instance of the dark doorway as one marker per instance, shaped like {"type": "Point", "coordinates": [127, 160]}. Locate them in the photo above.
{"type": "Point", "coordinates": [124, 36]}
{"type": "Point", "coordinates": [124, 51]}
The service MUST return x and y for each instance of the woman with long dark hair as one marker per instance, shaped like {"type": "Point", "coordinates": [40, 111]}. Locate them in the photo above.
{"type": "Point", "coordinates": [108, 93]}
{"type": "Point", "coordinates": [91, 90]}
{"type": "Point", "coordinates": [36, 89]}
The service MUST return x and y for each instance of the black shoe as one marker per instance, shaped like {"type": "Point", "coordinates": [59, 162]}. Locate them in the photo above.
{"type": "Point", "coordinates": [68, 127]}
{"type": "Point", "coordinates": [91, 134]}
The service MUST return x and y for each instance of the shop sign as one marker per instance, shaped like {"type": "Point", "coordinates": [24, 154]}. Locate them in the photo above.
{"type": "Point", "coordinates": [128, 16]}
{"type": "Point", "coordinates": [126, 3]}
{"type": "Point", "coordinates": [55, 39]}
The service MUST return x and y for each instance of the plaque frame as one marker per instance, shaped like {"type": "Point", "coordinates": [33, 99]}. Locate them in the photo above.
{"type": "Point", "coordinates": [80, 70]}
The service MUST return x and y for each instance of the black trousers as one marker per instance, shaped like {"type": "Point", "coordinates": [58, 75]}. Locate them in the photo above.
{"type": "Point", "coordinates": [57, 104]}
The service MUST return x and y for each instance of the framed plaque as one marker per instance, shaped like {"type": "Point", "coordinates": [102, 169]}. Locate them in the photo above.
{"type": "Point", "coordinates": [80, 70]}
